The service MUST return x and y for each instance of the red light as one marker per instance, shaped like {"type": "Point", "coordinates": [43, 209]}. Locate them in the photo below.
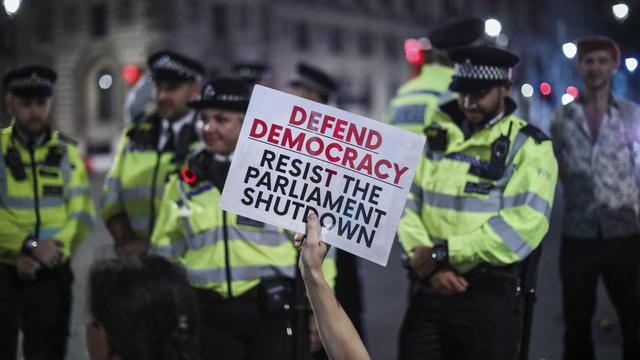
{"type": "Point", "coordinates": [413, 52]}
{"type": "Point", "coordinates": [130, 73]}
{"type": "Point", "coordinates": [545, 88]}
{"type": "Point", "coordinates": [189, 176]}
{"type": "Point", "coordinates": [573, 91]}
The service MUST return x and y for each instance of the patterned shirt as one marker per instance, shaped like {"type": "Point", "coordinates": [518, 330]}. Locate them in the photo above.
{"type": "Point", "coordinates": [598, 175]}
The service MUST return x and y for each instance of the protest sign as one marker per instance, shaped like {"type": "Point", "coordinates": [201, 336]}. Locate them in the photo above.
{"type": "Point", "coordinates": [295, 156]}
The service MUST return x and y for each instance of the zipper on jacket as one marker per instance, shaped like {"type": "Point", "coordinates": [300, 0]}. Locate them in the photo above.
{"type": "Point", "coordinates": [36, 197]}
{"type": "Point", "coordinates": [227, 265]}
{"type": "Point", "coordinates": [152, 201]}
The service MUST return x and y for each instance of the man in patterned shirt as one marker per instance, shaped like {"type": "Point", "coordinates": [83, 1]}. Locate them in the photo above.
{"type": "Point", "coordinates": [596, 142]}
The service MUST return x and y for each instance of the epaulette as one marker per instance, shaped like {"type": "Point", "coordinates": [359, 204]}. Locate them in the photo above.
{"type": "Point", "coordinates": [535, 133]}
{"type": "Point", "coordinates": [67, 139]}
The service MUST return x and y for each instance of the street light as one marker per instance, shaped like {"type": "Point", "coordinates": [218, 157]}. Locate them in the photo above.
{"type": "Point", "coordinates": [620, 11]}
{"type": "Point", "coordinates": [569, 49]}
{"type": "Point", "coordinates": [492, 27]}
{"type": "Point", "coordinates": [631, 64]}
{"type": "Point", "coordinates": [527, 90]}
{"type": "Point", "coordinates": [11, 7]}
{"type": "Point", "coordinates": [567, 98]}
{"type": "Point", "coordinates": [105, 81]}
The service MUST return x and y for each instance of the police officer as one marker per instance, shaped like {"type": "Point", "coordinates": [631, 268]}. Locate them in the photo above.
{"type": "Point", "coordinates": [151, 147]}
{"type": "Point", "coordinates": [242, 269]}
{"type": "Point", "coordinates": [253, 73]}
{"type": "Point", "coordinates": [417, 100]}
{"type": "Point", "coordinates": [479, 205]}
{"type": "Point", "coordinates": [46, 212]}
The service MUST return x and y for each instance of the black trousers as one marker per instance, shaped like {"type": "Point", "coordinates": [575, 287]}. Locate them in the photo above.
{"type": "Point", "coordinates": [40, 308]}
{"type": "Point", "coordinates": [582, 263]}
{"type": "Point", "coordinates": [481, 323]}
{"type": "Point", "coordinates": [241, 329]}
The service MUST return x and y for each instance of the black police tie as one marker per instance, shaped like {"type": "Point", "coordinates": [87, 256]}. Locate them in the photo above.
{"type": "Point", "coordinates": [169, 144]}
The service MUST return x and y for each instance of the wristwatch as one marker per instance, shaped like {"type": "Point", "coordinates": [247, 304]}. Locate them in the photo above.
{"type": "Point", "coordinates": [440, 254]}
{"type": "Point", "coordinates": [29, 245]}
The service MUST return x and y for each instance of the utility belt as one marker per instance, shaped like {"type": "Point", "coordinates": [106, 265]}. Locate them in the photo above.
{"type": "Point", "coordinates": [272, 295]}
{"type": "Point", "coordinates": [485, 278]}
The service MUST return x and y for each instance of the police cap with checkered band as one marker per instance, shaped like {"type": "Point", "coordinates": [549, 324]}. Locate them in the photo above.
{"type": "Point", "coordinates": [225, 94]}
{"type": "Point", "coordinates": [170, 66]}
{"type": "Point", "coordinates": [30, 81]}
{"type": "Point", "coordinates": [478, 68]}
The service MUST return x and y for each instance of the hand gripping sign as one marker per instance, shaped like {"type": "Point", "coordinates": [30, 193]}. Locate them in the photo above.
{"type": "Point", "coordinates": [295, 156]}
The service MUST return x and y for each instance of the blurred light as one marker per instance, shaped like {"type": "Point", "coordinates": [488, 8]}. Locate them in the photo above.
{"type": "Point", "coordinates": [105, 81]}
{"type": "Point", "coordinates": [413, 52]}
{"type": "Point", "coordinates": [545, 88]}
{"type": "Point", "coordinates": [502, 40]}
{"type": "Point", "coordinates": [569, 49]}
{"type": "Point", "coordinates": [492, 27]}
{"type": "Point", "coordinates": [11, 7]}
{"type": "Point", "coordinates": [526, 90]}
{"type": "Point", "coordinates": [425, 43]}
{"type": "Point", "coordinates": [130, 73]}
{"type": "Point", "coordinates": [620, 11]}
{"type": "Point", "coordinates": [567, 98]}
{"type": "Point", "coordinates": [573, 91]}
{"type": "Point", "coordinates": [631, 64]}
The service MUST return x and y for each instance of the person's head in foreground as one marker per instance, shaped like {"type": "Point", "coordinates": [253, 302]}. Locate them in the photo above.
{"type": "Point", "coordinates": [140, 308]}
{"type": "Point", "coordinates": [482, 77]}
{"type": "Point", "coordinates": [598, 61]}
{"type": "Point", "coordinates": [221, 107]}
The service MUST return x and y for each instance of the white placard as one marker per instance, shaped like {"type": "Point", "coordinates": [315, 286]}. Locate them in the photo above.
{"type": "Point", "coordinates": [295, 156]}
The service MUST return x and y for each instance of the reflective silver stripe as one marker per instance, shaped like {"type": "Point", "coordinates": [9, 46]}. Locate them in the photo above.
{"type": "Point", "coordinates": [201, 276]}
{"type": "Point", "coordinates": [510, 237]}
{"type": "Point", "coordinates": [209, 237]}
{"type": "Point", "coordinates": [136, 192]}
{"type": "Point", "coordinates": [521, 138]}
{"type": "Point", "coordinates": [84, 217]}
{"type": "Point", "coordinates": [412, 205]}
{"type": "Point", "coordinates": [494, 203]}
{"type": "Point", "coordinates": [530, 199]}
{"type": "Point", "coordinates": [23, 203]}
{"type": "Point", "coordinates": [49, 233]}
{"type": "Point", "coordinates": [461, 203]}
{"type": "Point", "coordinates": [78, 191]}
{"type": "Point", "coordinates": [109, 198]}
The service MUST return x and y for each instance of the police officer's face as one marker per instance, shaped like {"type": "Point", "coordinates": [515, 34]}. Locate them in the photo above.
{"type": "Point", "coordinates": [596, 68]}
{"type": "Point", "coordinates": [308, 94]}
{"type": "Point", "coordinates": [31, 114]}
{"type": "Point", "coordinates": [480, 107]}
{"type": "Point", "coordinates": [220, 129]}
{"type": "Point", "coordinates": [172, 97]}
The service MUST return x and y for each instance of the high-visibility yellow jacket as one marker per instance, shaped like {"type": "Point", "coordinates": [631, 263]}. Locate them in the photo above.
{"type": "Point", "coordinates": [44, 194]}
{"type": "Point", "coordinates": [140, 171]}
{"type": "Point", "coordinates": [417, 100]}
{"type": "Point", "coordinates": [221, 251]}
{"type": "Point", "coordinates": [495, 217]}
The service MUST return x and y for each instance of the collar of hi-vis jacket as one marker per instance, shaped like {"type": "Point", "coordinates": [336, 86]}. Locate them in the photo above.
{"type": "Point", "coordinates": [25, 139]}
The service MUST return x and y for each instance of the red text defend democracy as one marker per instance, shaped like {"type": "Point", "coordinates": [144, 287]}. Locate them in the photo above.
{"type": "Point", "coordinates": [359, 157]}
